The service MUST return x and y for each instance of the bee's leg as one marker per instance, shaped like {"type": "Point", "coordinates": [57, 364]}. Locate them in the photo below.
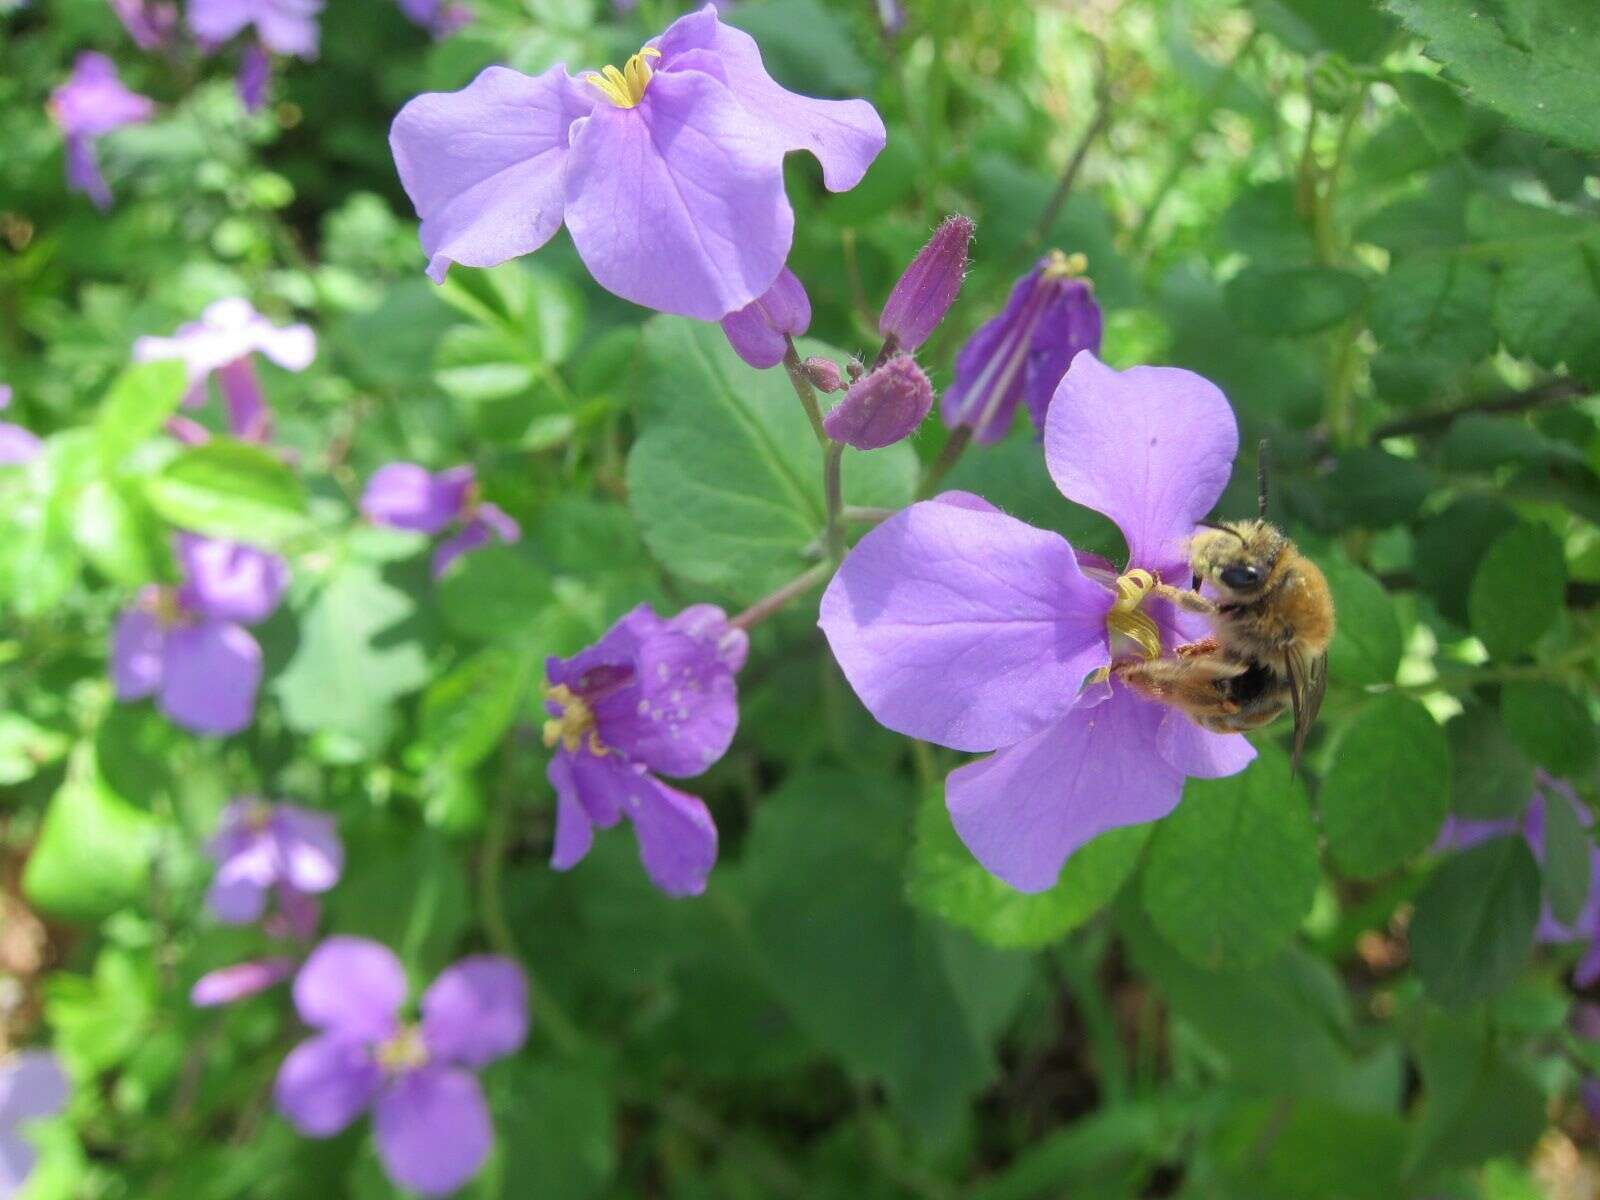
{"type": "Point", "coordinates": [1208, 645]}
{"type": "Point", "coordinates": [1187, 683]}
{"type": "Point", "coordinates": [1185, 599]}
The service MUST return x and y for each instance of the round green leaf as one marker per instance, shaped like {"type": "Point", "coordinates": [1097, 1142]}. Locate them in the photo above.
{"type": "Point", "coordinates": [1367, 642]}
{"type": "Point", "coordinates": [1518, 590]}
{"type": "Point", "coordinates": [1474, 921]}
{"type": "Point", "coordinates": [1386, 794]}
{"type": "Point", "coordinates": [1490, 776]}
{"type": "Point", "coordinates": [1552, 726]}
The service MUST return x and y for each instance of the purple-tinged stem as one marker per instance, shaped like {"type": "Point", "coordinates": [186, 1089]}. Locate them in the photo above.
{"type": "Point", "coordinates": [769, 604]}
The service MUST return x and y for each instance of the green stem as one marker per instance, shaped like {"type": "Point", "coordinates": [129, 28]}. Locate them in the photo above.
{"type": "Point", "coordinates": [954, 447]}
{"type": "Point", "coordinates": [833, 494]}
{"type": "Point", "coordinates": [803, 389]}
{"type": "Point", "coordinates": [1069, 175]}
{"type": "Point", "coordinates": [769, 604]}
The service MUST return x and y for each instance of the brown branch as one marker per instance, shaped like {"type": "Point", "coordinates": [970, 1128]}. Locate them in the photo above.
{"type": "Point", "coordinates": [1555, 391]}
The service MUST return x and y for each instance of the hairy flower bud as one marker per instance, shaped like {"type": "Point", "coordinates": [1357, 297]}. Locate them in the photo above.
{"type": "Point", "coordinates": [824, 374]}
{"type": "Point", "coordinates": [757, 331]}
{"type": "Point", "coordinates": [883, 407]}
{"type": "Point", "coordinates": [929, 286]}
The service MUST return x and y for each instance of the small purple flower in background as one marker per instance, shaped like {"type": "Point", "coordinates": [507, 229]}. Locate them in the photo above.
{"type": "Point", "coordinates": [429, 1115]}
{"type": "Point", "coordinates": [649, 696]}
{"type": "Point", "coordinates": [924, 293]}
{"type": "Point", "coordinates": [188, 646]}
{"type": "Point", "coordinates": [221, 344]}
{"type": "Point", "coordinates": [1462, 832]}
{"type": "Point", "coordinates": [962, 626]}
{"type": "Point", "coordinates": [882, 407]}
{"type": "Point", "coordinates": [668, 173]}
{"type": "Point", "coordinates": [1050, 316]}
{"type": "Point", "coordinates": [281, 26]}
{"type": "Point", "coordinates": [758, 332]}
{"type": "Point", "coordinates": [406, 496]}
{"type": "Point", "coordinates": [439, 17]}
{"type": "Point", "coordinates": [91, 103]}
{"type": "Point", "coordinates": [891, 16]}
{"type": "Point", "coordinates": [17, 445]}
{"type": "Point", "coordinates": [32, 1086]}
{"type": "Point", "coordinates": [240, 981]}
{"type": "Point", "coordinates": [150, 23]}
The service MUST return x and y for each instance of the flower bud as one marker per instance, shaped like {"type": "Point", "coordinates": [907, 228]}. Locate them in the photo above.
{"type": "Point", "coordinates": [929, 286]}
{"type": "Point", "coordinates": [883, 407]}
{"type": "Point", "coordinates": [824, 374]}
{"type": "Point", "coordinates": [891, 16]}
{"type": "Point", "coordinates": [757, 331]}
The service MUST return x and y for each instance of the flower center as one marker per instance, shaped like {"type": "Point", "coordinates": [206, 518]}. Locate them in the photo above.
{"type": "Point", "coordinates": [575, 723]}
{"type": "Point", "coordinates": [405, 1051]}
{"type": "Point", "coordinates": [1064, 266]}
{"type": "Point", "coordinates": [1127, 620]}
{"type": "Point", "coordinates": [162, 603]}
{"type": "Point", "coordinates": [625, 88]}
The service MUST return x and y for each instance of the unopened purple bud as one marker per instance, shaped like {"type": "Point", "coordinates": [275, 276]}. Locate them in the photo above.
{"type": "Point", "coordinates": [229, 984]}
{"type": "Point", "coordinates": [892, 16]}
{"type": "Point", "coordinates": [883, 407]}
{"type": "Point", "coordinates": [255, 72]}
{"type": "Point", "coordinates": [824, 374]}
{"type": "Point", "coordinates": [929, 286]}
{"type": "Point", "coordinates": [757, 332]}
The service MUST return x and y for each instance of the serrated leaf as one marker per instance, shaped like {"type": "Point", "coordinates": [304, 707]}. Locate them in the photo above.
{"type": "Point", "coordinates": [1451, 545]}
{"type": "Point", "coordinates": [1473, 927]}
{"type": "Point", "coordinates": [138, 404]}
{"type": "Point", "coordinates": [230, 489]}
{"type": "Point", "coordinates": [1285, 301]}
{"type": "Point", "coordinates": [1436, 304]}
{"type": "Point", "coordinates": [1386, 794]}
{"type": "Point", "coordinates": [1518, 590]}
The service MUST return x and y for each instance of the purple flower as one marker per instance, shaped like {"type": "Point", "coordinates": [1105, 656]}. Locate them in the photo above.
{"type": "Point", "coordinates": [649, 696]}
{"type": "Point", "coordinates": [405, 496]}
{"type": "Point", "coordinates": [438, 17]}
{"type": "Point", "coordinates": [960, 625]}
{"type": "Point", "coordinates": [1023, 352]}
{"type": "Point", "coordinates": [150, 23]}
{"type": "Point", "coordinates": [924, 293]}
{"type": "Point", "coordinates": [220, 344]}
{"type": "Point", "coordinates": [264, 848]}
{"type": "Point", "coordinates": [255, 73]}
{"type": "Point", "coordinates": [1462, 832]}
{"type": "Point", "coordinates": [282, 26]}
{"type": "Point", "coordinates": [759, 331]}
{"type": "Point", "coordinates": [881, 407]}
{"type": "Point", "coordinates": [91, 103]}
{"type": "Point", "coordinates": [668, 173]}
{"type": "Point", "coordinates": [187, 645]}
{"type": "Point", "coordinates": [17, 445]}
{"type": "Point", "coordinates": [891, 16]}
{"type": "Point", "coordinates": [240, 981]}
{"type": "Point", "coordinates": [429, 1115]}
{"type": "Point", "coordinates": [32, 1086]}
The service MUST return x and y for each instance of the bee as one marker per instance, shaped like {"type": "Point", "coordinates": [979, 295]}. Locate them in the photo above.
{"type": "Point", "coordinates": [1271, 621]}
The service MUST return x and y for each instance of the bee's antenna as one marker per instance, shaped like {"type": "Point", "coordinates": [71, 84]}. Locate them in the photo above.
{"type": "Point", "coordinates": [1261, 479]}
{"type": "Point", "coordinates": [1221, 528]}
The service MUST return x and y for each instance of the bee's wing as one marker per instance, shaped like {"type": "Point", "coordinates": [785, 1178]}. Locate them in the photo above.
{"type": "Point", "coordinates": [1308, 680]}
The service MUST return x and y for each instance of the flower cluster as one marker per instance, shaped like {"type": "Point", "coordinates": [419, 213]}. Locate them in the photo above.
{"type": "Point", "coordinates": [90, 104]}
{"type": "Point", "coordinates": [962, 626]}
{"type": "Point", "coordinates": [406, 496]}
{"type": "Point", "coordinates": [281, 27]}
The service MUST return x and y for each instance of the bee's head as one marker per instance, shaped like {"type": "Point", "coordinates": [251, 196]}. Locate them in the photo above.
{"type": "Point", "coordinates": [1236, 557]}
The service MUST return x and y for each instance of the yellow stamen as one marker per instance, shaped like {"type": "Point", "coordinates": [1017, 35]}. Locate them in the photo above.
{"type": "Point", "coordinates": [405, 1051]}
{"type": "Point", "coordinates": [625, 88]}
{"type": "Point", "coordinates": [1064, 266]}
{"type": "Point", "coordinates": [1126, 619]}
{"type": "Point", "coordinates": [575, 725]}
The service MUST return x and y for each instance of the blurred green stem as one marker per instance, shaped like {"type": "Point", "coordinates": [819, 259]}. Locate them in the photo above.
{"type": "Point", "coordinates": [833, 494]}
{"type": "Point", "coordinates": [803, 389]}
{"type": "Point", "coordinates": [769, 604]}
{"type": "Point", "coordinates": [1079, 960]}
{"type": "Point", "coordinates": [1069, 175]}
{"type": "Point", "coordinates": [954, 447]}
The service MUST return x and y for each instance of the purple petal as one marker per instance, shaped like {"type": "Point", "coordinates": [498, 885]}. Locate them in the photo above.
{"type": "Point", "coordinates": [486, 166]}
{"type": "Point", "coordinates": [93, 100]}
{"type": "Point", "coordinates": [487, 524]}
{"type": "Point", "coordinates": [18, 445]}
{"type": "Point", "coordinates": [406, 496]}
{"type": "Point", "coordinates": [288, 26]}
{"type": "Point", "coordinates": [845, 135]}
{"type": "Point", "coordinates": [589, 791]}
{"type": "Point", "coordinates": [212, 672]}
{"type": "Point", "coordinates": [476, 1011]}
{"type": "Point", "coordinates": [678, 204]}
{"type": "Point", "coordinates": [236, 899]}
{"type": "Point", "coordinates": [216, 21]}
{"type": "Point", "coordinates": [681, 715]}
{"type": "Point", "coordinates": [710, 624]}
{"type": "Point", "coordinates": [756, 331]}
{"type": "Point", "coordinates": [248, 417]}
{"type": "Point", "coordinates": [1150, 447]}
{"type": "Point", "coordinates": [18, 1156]}
{"type": "Point", "coordinates": [1587, 970]}
{"type": "Point", "coordinates": [882, 407]}
{"type": "Point", "coordinates": [32, 1085]}
{"type": "Point", "coordinates": [325, 1083]}
{"type": "Point", "coordinates": [1199, 753]}
{"type": "Point", "coordinates": [963, 627]}
{"type": "Point", "coordinates": [929, 286]}
{"type": "Point", "coordinates": [1070, 323]}
{"type": "Point", "coordinates": [83, 171]}
{"type": "Point", "coordinates": [677, 837]}
{"type": "Point", "coordinates": [138, 650]}
{"type": "Point", "coordinates": [230, 581]}
{"type": "Point", "coordinates": [991, 365]}
{"type": "Point", "coordinates": [1024, 810]}
{"type": "Point", "coordinates": [255, 73]}
{"type": "Point", "coordinates": [228, 985]}
{"type": "Point", "coordinates": [433, 1129]}
{"type": "Point", "coordinates": [351, 986]}
{"type": "Point", "coordinates": [310, 852]}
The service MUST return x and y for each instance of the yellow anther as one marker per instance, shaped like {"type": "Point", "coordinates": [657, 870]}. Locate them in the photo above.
{"type": "Point", "coordinates": [1125, 617]}
{"type": "Point", "coordinates": [574, 726]}
{"type": "Point", "coordinates": [625, 88]}
{"type": "Point", "coordinates": [405, 1051]}
{"type": "Point", "coordinates": [1064, 266]}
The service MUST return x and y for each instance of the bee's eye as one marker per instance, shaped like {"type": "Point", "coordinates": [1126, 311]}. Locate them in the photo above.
{"type": "Point", "coordinates": [1240, 577]}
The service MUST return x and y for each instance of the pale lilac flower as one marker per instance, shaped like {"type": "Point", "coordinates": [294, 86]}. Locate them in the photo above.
{"type": "Point", "coordinates": [188, 646]}
{"type": "Point", "coordinates": [281, 27]}
{"type": "Point", "coordinates": [92, 103]}
{"type": "Point", "coordinates": [150, 23]}
{"type": "Point", "coordinates": [221, 345]}
{"type": "Point", "coordinates": [439, 17]}
{"type": "Point", "coordinates": [924, 293]}
{"type": "Point", "coordinates": [1461, 832]}
{"type": "Point", "coordinates": [882, 407]}
{"type": "Point", "coordinates": [32, 1086]}
{"type": "Point", "coordinates": [429, 1115]}
{"type": "Point", "coordinates": [891, 16]}
{"type": "Point", "coordinates": [759, 331]}
{"type": "Point", "coordinates": [405, 496]}
{"type": "Point", "coordinates": [261, 849]}
{"type": "Point", "coordinates": [1022, 354]}
{"type": "Point", "coordinates": [668, 173]}
{"type": "Point", "coordinates": [240, 981]}
{"type": "Point", "coordinates": [962, 626]}
{"type": "Point", "coordinates": [17, 445]}
{"type": "Point", "coordinates": [651, 696]}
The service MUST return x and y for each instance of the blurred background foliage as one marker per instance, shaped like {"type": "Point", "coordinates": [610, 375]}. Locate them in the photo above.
{"type": "Point", "coordinates": [1375, 226]}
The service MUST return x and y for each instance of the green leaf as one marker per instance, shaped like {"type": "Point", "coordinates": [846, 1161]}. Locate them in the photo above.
{"type": "Point", "coordinates": [1473, 927]}
{"type": "Point", "coordinates": [1567, 854]}
{"type": "Point", "coordinates": [1284, 301]}
{"type": "Point", "coordinates": [1367, 642]}
{"type": "Point", "coordinates": [1479, 442]}
{"type": "Point", "coordinates": [353, 659]}
{"type": "Point", "coordinates": [137, 751]}
{"type": "Point", "coordinates": [494, 594]}
{"type": "Point", "coordinates": [1354, 29]}
{"type": "Point", "coordinates": [1518, 590]}
{"type": "Point", "coordinates": [94, 850]}
{"type": "Point", "coordinates": [1490, 776]}
{"type": "Point", "coordinates": [1231, 873]}
{"type": "Point", "coordinates": [555, 1124]}
{"type": "Point", "coordinates": [808, 47]}
{"type": "Point", "coordinates": [1373, 489]}
{"type": "Point", "coordinates": [1531, 60]}
{"type": "Point", "coordinates": [118, 534]}
{"type": "Point", "coordinates": [944, 878]}
{"type": "Point", "coordinates": [1387, 791]}
{"type": "Point", "coordinates": [1450, 546]}
{"type": "Point", "coordinates": [1547, 306]}
{"type": "Point", "coordinates": [139, 403]}
{"type": "Point", "coordinates": [407, 890]}
{"type": "Point", "coordinates": [539, 313]}
{"type": "Point", "coordinates": [466, 711]}
{"type": "Point", "coordinates": [230, 489]}
{"type": "Point", "coordinates": [1552, 726]}
{"type": "Point", "coordinates": [26, 747]}
{"type": "Point", "coordinates": [725, 480]}
{"type": "Point", "coordinates": [1436, 305]}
